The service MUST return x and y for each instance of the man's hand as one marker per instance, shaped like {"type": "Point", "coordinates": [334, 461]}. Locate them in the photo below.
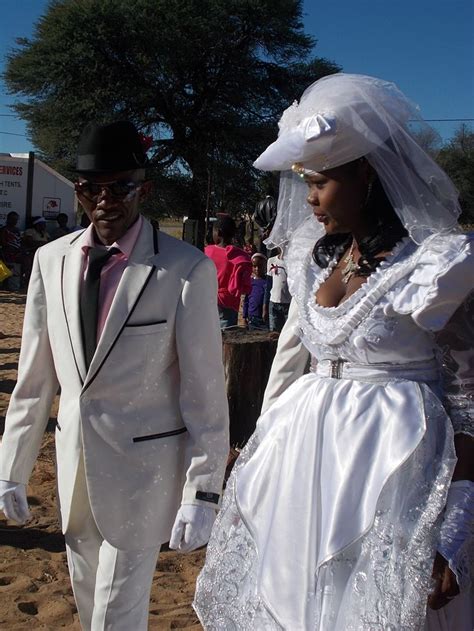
{"type": "Point", "coordinates": [192, 527]}
{"type": "Point", "coordinates": [13, 501]}
{"type": "Point", "coordinates": [446, 587]}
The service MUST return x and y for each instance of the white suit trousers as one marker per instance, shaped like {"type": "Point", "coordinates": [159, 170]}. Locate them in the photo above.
{"type": "Point", "coordinates": [111, 587]}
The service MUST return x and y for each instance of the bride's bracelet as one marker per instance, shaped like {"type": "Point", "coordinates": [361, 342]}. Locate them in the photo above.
{"type": "Point", "coordinates": [456, 542]}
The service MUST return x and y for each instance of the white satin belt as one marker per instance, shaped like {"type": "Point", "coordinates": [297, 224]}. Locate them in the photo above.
{"type": "Point", "coordinates": [422, 371]}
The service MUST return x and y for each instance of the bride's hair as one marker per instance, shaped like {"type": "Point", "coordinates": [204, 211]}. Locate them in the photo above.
{"type": "Point", "coordinates": [386, 231]}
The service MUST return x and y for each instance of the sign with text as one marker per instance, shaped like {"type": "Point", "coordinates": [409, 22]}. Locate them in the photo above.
{"type": "Point", "coordinates": [51, 192]}
{"type": "Point", "coordinates": [13, 175]}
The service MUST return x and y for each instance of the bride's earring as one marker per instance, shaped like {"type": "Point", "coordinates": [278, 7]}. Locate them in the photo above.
{"type": "Point", "coordinates": [368, 194]}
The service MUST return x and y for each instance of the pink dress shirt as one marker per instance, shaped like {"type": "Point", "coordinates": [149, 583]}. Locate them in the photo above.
{"type": "Point", "coordinates": [113, 270]}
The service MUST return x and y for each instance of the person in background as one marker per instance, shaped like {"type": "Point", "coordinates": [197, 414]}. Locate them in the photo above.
{"type": "Point", "coordinates": [62, 228]}
{"type": "Point", "coordinates": [255, 303]}
{"type": "Point", "coordinates": [249, 247]}
{"type": "Point", "coordinates": [123, 319]}
{"type": "Point", "coordinates": [279, 294]}
{"type": "Point", "coordinates": [234, 270]}
{"type": "Point", "coordinates": [36, 235]}
{"type": "Point", "coordinates": [11, 251]}
{"type": "Point", "coordinates": [33, 238]}
{"type": "Point", "coordinates": [264, 217]}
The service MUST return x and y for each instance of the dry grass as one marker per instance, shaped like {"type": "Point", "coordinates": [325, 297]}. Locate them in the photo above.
{"type": "Point", "coordinates": [173, 227]}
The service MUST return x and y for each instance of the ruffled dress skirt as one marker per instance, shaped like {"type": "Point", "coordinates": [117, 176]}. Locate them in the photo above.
{"type": "Point", "coordinates": [331, 515]}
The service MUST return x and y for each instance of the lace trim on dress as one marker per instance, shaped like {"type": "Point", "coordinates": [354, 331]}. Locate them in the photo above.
{"type": "Point", "coordinates": [319, 323]}
{"type": "Point", "coordinates": [458, 525]}
{"type": "Point", "coordinates": [427, 264]}
{"type": "Point", "coordinates": [391, 566]}
{"type": "Point", "coordinates": [226, 590]}
{"type": "Point", "coordinates": [364, 291]}
{"type": "Point", "coordinates": [456, 346]}
{"type": "Point", "coordinates": [381, 581]}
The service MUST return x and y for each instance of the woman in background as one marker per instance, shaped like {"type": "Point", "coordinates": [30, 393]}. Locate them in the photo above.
{"type": "Point", "coordinates": [233, 267]}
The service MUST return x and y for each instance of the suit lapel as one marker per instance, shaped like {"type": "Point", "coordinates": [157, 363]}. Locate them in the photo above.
{"type": "Point", "coordinates": [132, 284]}
{"type": "Point", "coordinates": [71, 279]}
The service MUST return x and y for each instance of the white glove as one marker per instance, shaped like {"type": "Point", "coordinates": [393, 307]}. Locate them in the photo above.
{"type": "Point", "coordinates": [13, 501]}
{"type": "Point", "coordinates": [192, 527]}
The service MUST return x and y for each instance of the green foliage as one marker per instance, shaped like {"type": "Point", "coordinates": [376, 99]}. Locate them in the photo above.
{"type": "Point", "coordinates": [457, 159]}
{"type": "Point", "coordinates": [207, 78]}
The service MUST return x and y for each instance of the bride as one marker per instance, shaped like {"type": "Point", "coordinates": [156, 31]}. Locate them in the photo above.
{"type": "Point", "coordinates": [352, 505]}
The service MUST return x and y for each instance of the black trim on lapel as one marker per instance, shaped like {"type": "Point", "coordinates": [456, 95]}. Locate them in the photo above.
{"type": "Point", "coordinates": [67, 321]}
{"type": "Point", "coordinates": [122, 328]}
{"type": "Point", "coordinates": [76, 238]}
{"type": "Point", "coordinates": [88, 382]}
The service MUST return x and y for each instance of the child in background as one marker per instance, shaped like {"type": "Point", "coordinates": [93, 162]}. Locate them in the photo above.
{"type": "Point", "coordinates": [255, 304]}
{"type": "Point", "coordinates": [280, 296]}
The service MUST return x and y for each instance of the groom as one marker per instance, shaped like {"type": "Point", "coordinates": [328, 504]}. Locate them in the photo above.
{"type": "Point", "coordinates": [124, 320]}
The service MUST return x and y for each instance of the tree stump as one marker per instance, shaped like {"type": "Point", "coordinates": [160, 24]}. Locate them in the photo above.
{"type": "Point", "coordinates": [248, 356]}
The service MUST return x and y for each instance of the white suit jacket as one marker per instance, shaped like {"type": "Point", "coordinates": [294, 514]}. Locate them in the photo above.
{"type": "Point", "coordinates": [150, 415]}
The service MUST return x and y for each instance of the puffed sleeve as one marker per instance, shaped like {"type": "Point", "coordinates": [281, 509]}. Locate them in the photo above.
{"type": "Point", "coordinates": [456, 345]}
{"type": "Point", "coordinates": [440, 279]}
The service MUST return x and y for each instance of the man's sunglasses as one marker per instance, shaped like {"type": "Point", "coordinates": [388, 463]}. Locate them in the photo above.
{"type": "Point", "coordinates": [118, 188]}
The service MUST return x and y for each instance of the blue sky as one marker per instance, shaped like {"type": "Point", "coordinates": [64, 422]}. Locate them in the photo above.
{"type": "Point", "coordinates": [425, 46]}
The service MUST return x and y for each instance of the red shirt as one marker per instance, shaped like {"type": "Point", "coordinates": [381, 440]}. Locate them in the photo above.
{"type": "Point", "coordinates": [234, 270]}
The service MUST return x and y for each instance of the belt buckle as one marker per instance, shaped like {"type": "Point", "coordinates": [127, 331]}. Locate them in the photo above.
{"type": "Point", "coordinates": [336, 368]}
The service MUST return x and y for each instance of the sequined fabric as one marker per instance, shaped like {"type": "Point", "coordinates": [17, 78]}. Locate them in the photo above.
{"type": "Point", "coordinates": [329, 436]}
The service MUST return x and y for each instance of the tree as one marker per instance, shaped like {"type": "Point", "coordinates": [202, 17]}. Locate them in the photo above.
{"type": "Point", "coordinates": [457, 159]}
{"type": "Point", "coordinates": [429, 139]}
{"type": "Point", "coordinates": [207, 78]}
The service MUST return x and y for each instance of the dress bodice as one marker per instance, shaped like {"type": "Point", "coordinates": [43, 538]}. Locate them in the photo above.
{"type": "Point", "coordinates": [393, 316]}
{"type": "Point", "coordinates": [363, 329]}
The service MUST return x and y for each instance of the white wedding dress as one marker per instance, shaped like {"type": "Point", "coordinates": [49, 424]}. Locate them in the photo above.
{"type": "Point", "coordinates": [331, 515]}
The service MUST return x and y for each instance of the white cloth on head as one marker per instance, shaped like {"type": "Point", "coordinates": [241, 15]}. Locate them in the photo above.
{"type": "Point", "coordinates": [341, 118]}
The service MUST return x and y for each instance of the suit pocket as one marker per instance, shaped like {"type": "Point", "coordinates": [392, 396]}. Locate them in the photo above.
{"type": "Point", "coordinates": [174, 432]}
{"type": "Point", "coordinates": [145, 329]}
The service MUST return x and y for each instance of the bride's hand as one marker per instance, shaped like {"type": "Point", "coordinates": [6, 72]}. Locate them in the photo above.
{"type": "Point", "coordinates": [446, 587]}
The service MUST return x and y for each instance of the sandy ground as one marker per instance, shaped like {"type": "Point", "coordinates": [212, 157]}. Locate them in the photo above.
{"type": "Point", "coordinates": [35, 592]}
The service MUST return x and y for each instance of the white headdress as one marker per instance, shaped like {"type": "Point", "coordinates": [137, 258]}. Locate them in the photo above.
{"type": "Point", "coordinates": [343, 117]}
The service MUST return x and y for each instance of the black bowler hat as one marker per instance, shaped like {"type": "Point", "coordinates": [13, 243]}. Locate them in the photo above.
{"type": "Point", "coordinates": [108, 148]}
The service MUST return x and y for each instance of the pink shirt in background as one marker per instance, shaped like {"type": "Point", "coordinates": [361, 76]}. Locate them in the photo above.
{"type": "Point", "coordinates": [234, 271]}
{"type": "Point", "coordinates": [112, 270]}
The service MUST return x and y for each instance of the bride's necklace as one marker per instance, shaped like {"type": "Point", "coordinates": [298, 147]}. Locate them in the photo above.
{"type": "Point", "coordinates": [350, 266]}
